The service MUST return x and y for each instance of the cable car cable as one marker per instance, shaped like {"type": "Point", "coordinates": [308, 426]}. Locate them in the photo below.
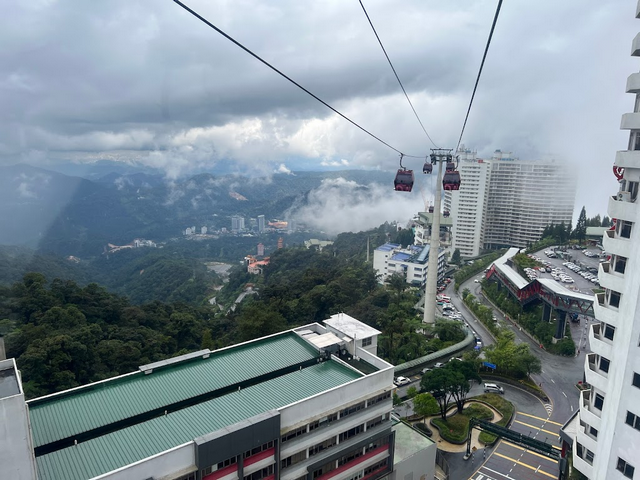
{"type": "Point", "coordinates": [396, 74]}
{"type": "Point", "coordinates": [484, 56]}
{"type": "Point", "coordinates": [257, 57]}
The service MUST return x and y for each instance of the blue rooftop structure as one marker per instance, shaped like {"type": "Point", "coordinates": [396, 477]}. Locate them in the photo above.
{"type": "Point", "coordinates": [387, 247]}
{"type": "Point", "coordinates": [401, 256]}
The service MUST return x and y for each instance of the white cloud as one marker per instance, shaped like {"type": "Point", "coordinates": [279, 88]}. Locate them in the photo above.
{"type": "Point", "coordinates": [283, 169]}
{"type": "Point", "coordinates": [24, 190]}
{"type": "Point", "coordinates": [339, 205]}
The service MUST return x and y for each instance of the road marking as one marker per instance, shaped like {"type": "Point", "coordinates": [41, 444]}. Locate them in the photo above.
{"type": "Point", "coordinates": [565, 395]}
{"type": "Point", "coordinates": [526, 450]}
{"type": "Point", "coordinates": [538, 418]}
{"type": "Point", "coordinates": [552, 380]}
{"type": "Point", "coordinates": [526, 465]}
{"type": "Point", "coordinates": [499, 473]}
{"type": "Point", "coordinates": [537, 428]}
{"type": "Point", "coordinates": [571, 407]}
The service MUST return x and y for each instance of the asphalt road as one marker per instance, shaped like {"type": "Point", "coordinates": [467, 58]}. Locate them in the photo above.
{"type": "Point", "coordinates": [558, 378]}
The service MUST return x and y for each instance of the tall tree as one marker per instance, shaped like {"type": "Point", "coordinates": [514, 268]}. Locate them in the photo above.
{"type": "Point", "coordinates": [437, 383]}
{"type": "Point", "coordinates": [455, 257]}
{"type": "Point", "coordinates": [580, 232]}
{"type": "Point", "coordinates": [425, 405]}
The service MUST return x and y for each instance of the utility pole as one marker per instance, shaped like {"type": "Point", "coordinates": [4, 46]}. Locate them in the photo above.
{"type": "Point", "coordinates": [439, 156]}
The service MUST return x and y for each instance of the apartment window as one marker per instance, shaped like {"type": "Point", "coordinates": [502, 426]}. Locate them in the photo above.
{"type": "Point", "coordinates": [604, 364]}
{"type": "Point", "coordinates": [379, 398]}
{"type": "Point", "coordinates": [593, 432]}
{"type": "Point", "coordinates": [598, 401]}
{"type": "Point", "coordinates": [636, 380]}
{"type": "Point", "coordinates": [367, 341]}
{"type": "Point", "coordinates": [351, 409]}
{"type": "Point", "coordinates": [294, 433]}
{"type": "Point", "coordinates": [588, 456]}
{"type": "Point", "coordinates": [265, 472]}
{"type": "Point", "coordinates": [352, 432]}
{"type": "Point", "coordinates": [609, 331]}
{"type": "Point", "coordinates": [626, 469]}
{"type": "Point", "coordinates": [633, 420]}
{"type": "Point", "coordinates": [614, 298]}
{"type": "Point", "coordinates": [293, 459]}
{"type": "Point", "coordinates": [322, 446]}
{"type": "Point", "coordinates": [323, 421]}
{"type": "Point", "coordinates": [620, 264]}
{"type": "Point", "coordinates": [624, 228]}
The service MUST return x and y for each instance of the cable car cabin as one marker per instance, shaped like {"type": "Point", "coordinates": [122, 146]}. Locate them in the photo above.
{"type": "Point", "coordinates": [445, 214]}
{"type": "Point", "coordinates": [451, 178]}
{"type": "Point", "coordinates": [403, 181]}
{"type": "Point", "coordinates": [428, 168]}
{"type": "Point", "coordinates": [430, 209]}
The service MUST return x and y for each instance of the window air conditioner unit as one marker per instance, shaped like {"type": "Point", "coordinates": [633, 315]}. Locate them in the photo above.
{"type": "Point", "coordinates": [624, 196]}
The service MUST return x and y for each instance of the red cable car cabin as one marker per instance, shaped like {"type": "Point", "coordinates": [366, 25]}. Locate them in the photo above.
{"type": "Point", "coordinates": [403, 181]}
{"type": "Point", "coordinates": [428, 168]}
{"type": "Point", "coordinates": [451, 178]}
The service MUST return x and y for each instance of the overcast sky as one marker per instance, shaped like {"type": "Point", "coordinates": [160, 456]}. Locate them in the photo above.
{"type": "Point", "coordinates": [143, 80]}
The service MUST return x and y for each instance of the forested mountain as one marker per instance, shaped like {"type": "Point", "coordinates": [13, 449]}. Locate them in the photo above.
{"type": "Point", "coordinates": [64, 335]}
{"type": "Point", "coordinates": [74, 216]}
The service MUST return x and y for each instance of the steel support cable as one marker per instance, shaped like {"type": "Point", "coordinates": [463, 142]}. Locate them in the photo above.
{"type": "Point", "coordinates": [396, 74]}
{"type": "Point", "coordinates": [257, 57]}
{"type": "Point", "coordinates": [484, 56]}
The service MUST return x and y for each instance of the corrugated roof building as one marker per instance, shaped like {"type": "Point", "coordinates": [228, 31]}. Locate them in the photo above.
{"type": "Point", "coordinates": [307, 403]}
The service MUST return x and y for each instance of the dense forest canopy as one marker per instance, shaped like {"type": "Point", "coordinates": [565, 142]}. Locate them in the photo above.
{"type": "Point", "coordinates": [64, 334]}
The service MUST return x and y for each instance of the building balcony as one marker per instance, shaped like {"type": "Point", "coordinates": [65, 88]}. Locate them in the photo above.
{"type": "Point", "coordinates": [622, 208]}
{"type": "Point", "coordinates": [581, 465]}
{"type": "Point", "coordinates": [617, 245]}
{"type": "Point", "coordinates": [628, 158]}
{"type": "Point", "coordinates": [603, 312]}
{"type": "Point", "coordinates": [585, 439]}
{"type": "Point", "coordinates": [593, 375]}
{"type": "Point", "coordinates": [586, 415]}
{"type": "Point", "coordinates": [610, 279]}
{"type": "Point", "coordinates": [630, 121]}
{"type": "Point", "coordinates": [598, 343]}
{"type": "Point", "coordinates": [633, 83]}
{"type": "Point", "coordinates": [635, 46]}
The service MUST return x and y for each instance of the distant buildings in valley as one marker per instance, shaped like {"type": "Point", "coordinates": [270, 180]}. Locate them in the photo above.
{"type": "Point", "coordinates": [137, 243]}
{"type": "Point", "coordinates": [260, 250]}
{"type": "Point", "coordinates": [239, 225]}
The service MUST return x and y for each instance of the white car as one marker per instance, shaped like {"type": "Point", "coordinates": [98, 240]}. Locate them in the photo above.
{"type": "Point", "coordinates": [401, 381]}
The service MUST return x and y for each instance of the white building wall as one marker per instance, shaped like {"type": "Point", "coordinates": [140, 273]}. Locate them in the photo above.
{"type": "Point", "coordinates": [524, 197]}
{"type": "Point", "coordinates": [17, 461]}
{"type": "Point", "coordinates": [615, 438]}
{"type": "Point", "coordinates": [468, 205]}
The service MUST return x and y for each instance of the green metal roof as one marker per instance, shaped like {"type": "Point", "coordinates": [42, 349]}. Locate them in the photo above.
{"type": "Point", "coordinates": [97, 405]}
{"type": "Point", "coordinates": [123, 447]}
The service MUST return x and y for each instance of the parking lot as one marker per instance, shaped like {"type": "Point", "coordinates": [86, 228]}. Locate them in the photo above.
{"type": "Point", "coordinates": [573, 264]}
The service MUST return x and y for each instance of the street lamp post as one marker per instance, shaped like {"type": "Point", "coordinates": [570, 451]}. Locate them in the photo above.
{"type": "Point", "coordinates": [431, 285]}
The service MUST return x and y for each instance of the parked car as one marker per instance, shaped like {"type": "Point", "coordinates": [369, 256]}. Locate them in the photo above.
{"type": "Point", "coordinates": [493, 388]}
{"type": "Point", "coordinates": [401, 381]}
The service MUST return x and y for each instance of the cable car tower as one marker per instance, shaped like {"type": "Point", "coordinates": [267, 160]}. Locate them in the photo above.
{"type": "Point", "coordinates": [450, 181]}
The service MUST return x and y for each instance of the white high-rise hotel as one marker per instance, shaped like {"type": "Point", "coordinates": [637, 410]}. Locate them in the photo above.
{"type": "Point", "coordinates": [607, 443]}
{"type": "Point", "coordinates": [504, 201]}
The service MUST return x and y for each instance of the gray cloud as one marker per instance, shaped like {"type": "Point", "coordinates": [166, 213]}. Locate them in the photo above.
{"type": "Point", "coordinates": [142, 81]}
